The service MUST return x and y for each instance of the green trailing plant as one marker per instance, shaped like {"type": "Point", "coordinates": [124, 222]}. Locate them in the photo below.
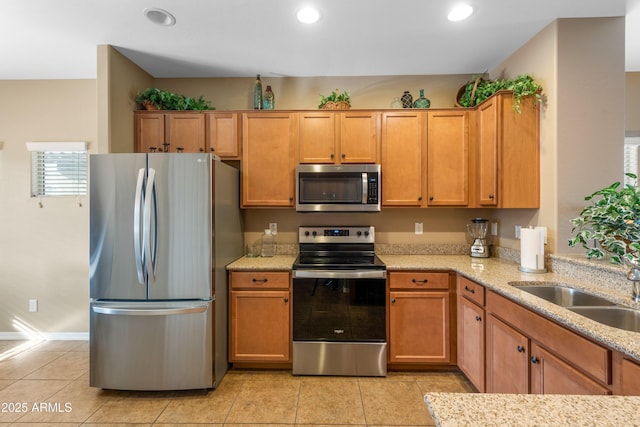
{"type": "Point", "coordinates": [611, 223]}
{"type": "Point", "coordinates": [522, 86]}
{"type": "Point", "coordinates": [166, 100]}
{"type": "Point", "coordinates": [335, 96]}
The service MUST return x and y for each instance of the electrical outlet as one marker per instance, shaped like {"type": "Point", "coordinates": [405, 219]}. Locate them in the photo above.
{"type": "Point", "coordinates": [33, 305]}
{"type": "Point", "coordinates": [418, 228]}
{"type": "Point", "coordinates": [494, 228]}
{"type": "Point", "coordinates": [518, 228]}
{"type": "Point", "coordinates": [273, 226]}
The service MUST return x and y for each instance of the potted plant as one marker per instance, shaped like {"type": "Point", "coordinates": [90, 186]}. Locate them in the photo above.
{"type": "Point", "coordinates": [478, 90]}
{"type": "Point", "coordinates": [335, 101]}
{"type": "Point", "coordinates": [611, 223]}
{"type": "Point", "coordinates": [159, 99]}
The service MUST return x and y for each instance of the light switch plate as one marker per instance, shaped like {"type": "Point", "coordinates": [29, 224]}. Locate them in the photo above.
{"type": "Point", "coordinates": [418, 228]}
{"type": "Point", "coordinates": [33, 305]}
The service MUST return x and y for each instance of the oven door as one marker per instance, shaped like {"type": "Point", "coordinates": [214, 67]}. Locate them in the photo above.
{"type": "Point", "coordinates": [339, 324]}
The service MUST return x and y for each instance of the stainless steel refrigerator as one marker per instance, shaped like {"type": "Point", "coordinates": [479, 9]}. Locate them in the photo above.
{"type": "Point", "coordinates": [163, 227]}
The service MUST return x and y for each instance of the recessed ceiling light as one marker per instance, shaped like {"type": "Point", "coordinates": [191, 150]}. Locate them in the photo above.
{"type": "Point", "coordinates": [460, 12]}
{"type": "Point", "coordinates": [308, 15]}
{"type": "Point", "coordinates": [159, 16]}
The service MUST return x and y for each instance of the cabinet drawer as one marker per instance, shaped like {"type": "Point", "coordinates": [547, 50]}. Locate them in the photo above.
{"type": "Point", "coordinates": [260, 280]}
{"type": "Point", "coordinates": [418, 280]}
{"type": "Point", "coordinates": [471, 290]}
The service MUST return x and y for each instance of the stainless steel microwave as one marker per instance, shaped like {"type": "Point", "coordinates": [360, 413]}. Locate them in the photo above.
{"type": "Point", "coordinates": [338, 188]}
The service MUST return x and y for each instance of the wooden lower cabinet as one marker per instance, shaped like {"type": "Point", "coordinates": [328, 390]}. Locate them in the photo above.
{"type": "Point", "coordinates": [259, 317]}
{"type": "Point", "coordinates": [552, 375]}
{"type": "Point", "coordinates": [420, 318]}
{"type": "Point", "coordinates": [507, 358]}
{"type": "Point", "coordinates": [626, 376]}
{"type": "Point", "coordinates": [471, 360]}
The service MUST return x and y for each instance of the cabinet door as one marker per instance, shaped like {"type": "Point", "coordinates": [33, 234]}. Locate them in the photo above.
{"type": "Point", "coordinates": [317, 137]}
{"type": "Point", "coordinates": [259, 326]}
{"type": "Point", "coordinates": [551, 375]}
{"type": "Point", "coordinates": [402, 158]}
{"type": "Point", "coordinates": [149, 132]}
{"type": "Point", "coordinates": [222, 134]}
{"type": "Point", "coordinates": [448, 158]}
{"type": "Point", "coordinates": [268, 152]}
{"type": "Point", "coordinates": [487, 155]}
{"type": "Point", "coordinates": [507, 358]}
{"type": "Point", "coordinates": [629, 378]}
{"type": "Point", "coordinates": [186, 132]}
{"type": "Point", "coordinates": [359, 137]}
{"type": "Point", "coordinates": [471, 342]}
{"type": "Point", "coordinates": [419, 327]}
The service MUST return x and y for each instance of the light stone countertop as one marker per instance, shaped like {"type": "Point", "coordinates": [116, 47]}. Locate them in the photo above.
{"type": "Point", "coordinates": [274, 263]}
{"type": "Point", "coordinates": [474, 409]}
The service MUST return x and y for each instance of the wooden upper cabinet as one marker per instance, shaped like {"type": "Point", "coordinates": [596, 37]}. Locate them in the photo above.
{"type": "Point", "coordinates": [149, 132]}
{"type": "Point", "coordinates": [335, 138]}
{"type": "Point", "coordinates": [223, 134]}
{"type": "Point", "coordinates": [487, 153]}
{"type": "Point", "coordinates": [403, 142]}
{"type": "Point", "coordinates": [268, 153]}
{"type": "Point", "coordinates": [359, 137]}
{"type": "Point", "coordinates": [508, 153]}
{"type": "Point", "coordinates": [448, 158]}
{"type": "Point", "coordinates": [186, 132]}
{"type": "Point", "coordinates": [169, 132]}
{"type": "Point", "coordinates": [317, 138]}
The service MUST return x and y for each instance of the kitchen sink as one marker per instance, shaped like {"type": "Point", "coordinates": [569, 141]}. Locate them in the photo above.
{"type": "Point", "coordinates": [564, 296]}
{"type": "Point", "coordinates": [618, 317]}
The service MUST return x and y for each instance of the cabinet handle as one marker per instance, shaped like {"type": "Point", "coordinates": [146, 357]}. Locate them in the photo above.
{"type": "Point", "coordinates": [291, 199]}
{"type": "Point", "coordinates": [420, 282]}
{"type": "Point", "coordinates": [286, 299]}
{"type": "Point", "coordinates": [254, 280]}
{"type": "Point", "coordinates": [332, 156]}
{"type": "Point", "coordinates": [393, 301]}
{"type": "Point", "coordinates": [344, 156]}
{"type": "Point", "coordinates": [419, 198]}
{"type": "Point", "coordinates": [490, 196]}
{"type": "Point", "coordinates": [212, 149]}
{"type": "Point", "coordinates": [201, 150]}
{"type": "Point", "coordinates": [179, 149]}
{"type": "Point", "coordinates": [478, 318]}
{"type": "Point", "coordinates": [535, 359]}
{"type": "Point", "coordinates": [468, 289]}
{"type": "Point", "coordinates": [521, 350]}
{"type": "Point", "coordinates": [153, 149]}
{"type": "Point", "coordinates": [166, 147]}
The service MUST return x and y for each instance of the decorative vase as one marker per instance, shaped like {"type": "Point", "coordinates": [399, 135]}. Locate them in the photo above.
{"type": "Point", "coordinates": [407, 100]}
{"type": "Point", "coordinates": [422, 102]}
{"type": "Point", "coordinates": [396, 103]}
{"type": "Point", "coordinates": [257, 94]}
{"type": "Point", "coordinates": [268, 100]}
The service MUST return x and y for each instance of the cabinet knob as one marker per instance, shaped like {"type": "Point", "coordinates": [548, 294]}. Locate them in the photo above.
{"type": "Point", "coordinates": [490, 196]}
{"type": "Point", "coordinates": [332, 156]}
{"type": "Point", "coordinates": [393, 301]}
{"type": "Point", "coordinates": [535, 359]}
{"type": "Point", "coordinates": [212, 149]}
{"type": "Point", "coordinates": [153, 149]}
{"type": "Point", "coordinates": [344, 156]}
{"type": "Point", "coordinates": [521, 350]}
{"type": "Point", "coordinates": [419, 198]}
{"type": "Point", "coordinates": [286, 299]}
{"type": "Point", "coordinates": [201, 150]}
{"type": "Point", "coordinates": [478, 318]}
{"type": "Point", "coordinates": [179, 149]}
{"type": "Point", "coordinates": [431, 198]}
{"type": "Point", "coordinates": [291, 199]}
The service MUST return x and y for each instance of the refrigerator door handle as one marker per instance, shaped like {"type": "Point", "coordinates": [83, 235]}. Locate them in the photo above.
{"type": "Point", "coordinates": [150, 237]}
{"type": "Point", "coordinates": [149, 311]}
{"type": "Point", "coordinates": [137, 243]}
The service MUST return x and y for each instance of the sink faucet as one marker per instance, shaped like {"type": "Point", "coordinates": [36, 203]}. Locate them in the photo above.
{"type": "Point", "coordinates": [634, 276]}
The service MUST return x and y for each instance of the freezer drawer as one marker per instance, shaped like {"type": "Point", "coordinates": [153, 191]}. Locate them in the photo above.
{"type": "Point", "coordinates": [151, 346]}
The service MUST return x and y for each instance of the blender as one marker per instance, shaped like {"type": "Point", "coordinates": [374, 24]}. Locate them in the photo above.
{"type": "Point", "coordinates": [478, 232]}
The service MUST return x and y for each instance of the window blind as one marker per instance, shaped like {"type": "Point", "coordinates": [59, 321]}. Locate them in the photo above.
{"type": "Point", "coordinates": [58, 171]}
{"type": "Point", "coordinates": [631, 160]}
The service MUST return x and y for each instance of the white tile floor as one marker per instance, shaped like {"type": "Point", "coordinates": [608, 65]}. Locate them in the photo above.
{"type": "Point", "coordinates": [47, 385]}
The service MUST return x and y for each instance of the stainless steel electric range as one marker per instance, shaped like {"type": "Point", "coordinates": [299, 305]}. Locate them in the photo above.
{"type": "Point", "coordinates": [339, 294]}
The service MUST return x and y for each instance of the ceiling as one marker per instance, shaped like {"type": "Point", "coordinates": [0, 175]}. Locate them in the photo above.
{"type": "Point", "coordinates": [45, 39]}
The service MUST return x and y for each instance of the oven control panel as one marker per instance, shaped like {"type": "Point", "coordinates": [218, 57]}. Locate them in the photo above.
{"type": "Point", "coordinates": [328, 234]}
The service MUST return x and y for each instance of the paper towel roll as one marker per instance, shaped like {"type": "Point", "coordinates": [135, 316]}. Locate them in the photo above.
{"type": "Point", "coordinates": [532, 250]}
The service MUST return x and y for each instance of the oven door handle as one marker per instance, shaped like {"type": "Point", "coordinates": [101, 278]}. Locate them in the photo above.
{"type": "Point", "coordinates": [340, 274]}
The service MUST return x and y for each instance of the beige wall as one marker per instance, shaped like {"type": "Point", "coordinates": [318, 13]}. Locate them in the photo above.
{"type": "Point", "coordinates": [632, 108]}
{"type": "Point", "coordinates": [44, 252]}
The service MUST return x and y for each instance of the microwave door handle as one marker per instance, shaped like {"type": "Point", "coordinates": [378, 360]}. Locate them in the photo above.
{"type": "Point", "coordinates": [364, 188]}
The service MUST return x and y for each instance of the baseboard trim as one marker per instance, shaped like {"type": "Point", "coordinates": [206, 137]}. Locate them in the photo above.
{"type": "Point", "coordinates": [50, 336]}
